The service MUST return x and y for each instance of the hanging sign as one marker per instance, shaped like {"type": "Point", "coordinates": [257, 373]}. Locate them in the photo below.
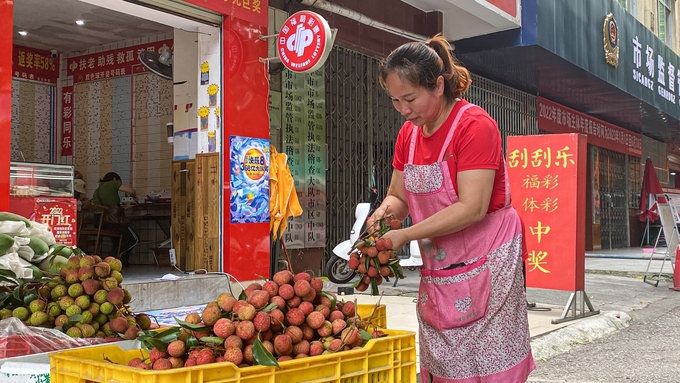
{"type": "Point", "coordinates": [547, 178]}
{"type": "Point", "coordinates": [67, 121]}
{"type": "Point", "coordinates": [34, 64]}
{"type": "Point", "coordinates": [305, 41]}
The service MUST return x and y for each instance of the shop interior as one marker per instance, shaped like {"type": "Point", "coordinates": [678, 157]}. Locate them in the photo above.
{"type": "Point", "coordinates": [104, 110]}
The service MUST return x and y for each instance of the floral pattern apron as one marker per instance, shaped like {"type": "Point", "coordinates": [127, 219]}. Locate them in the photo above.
{"type": "Point", "coordinates": [494, 348]}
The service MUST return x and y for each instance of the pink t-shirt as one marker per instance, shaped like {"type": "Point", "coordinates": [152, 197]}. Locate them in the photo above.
{"type": "Point", "coordinates": [476, 144]}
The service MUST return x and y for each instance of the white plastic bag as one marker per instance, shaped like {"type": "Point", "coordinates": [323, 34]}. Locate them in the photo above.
{"type": "Point", "coordinates": [13, 228]}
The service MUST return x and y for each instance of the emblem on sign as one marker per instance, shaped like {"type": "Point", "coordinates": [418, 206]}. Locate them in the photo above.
{"type": "Point", "coordinates": [610, 31]}
{"type": "Point", "coordinates": [304, 42]}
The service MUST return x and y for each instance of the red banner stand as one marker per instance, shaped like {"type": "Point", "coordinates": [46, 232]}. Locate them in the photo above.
{"type": "Point", "coordinates": [547, 176]}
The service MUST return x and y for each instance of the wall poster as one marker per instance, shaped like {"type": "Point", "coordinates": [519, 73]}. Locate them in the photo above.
{"type": "Point", "coordinates": [249, 179]}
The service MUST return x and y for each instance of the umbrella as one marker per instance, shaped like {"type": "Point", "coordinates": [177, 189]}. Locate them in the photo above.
{"type": "Point", "coordinates": [650, 186]}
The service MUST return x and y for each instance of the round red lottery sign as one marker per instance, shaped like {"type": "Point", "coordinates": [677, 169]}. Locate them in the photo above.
{"type": "Point", "coordinates": [304, 42]}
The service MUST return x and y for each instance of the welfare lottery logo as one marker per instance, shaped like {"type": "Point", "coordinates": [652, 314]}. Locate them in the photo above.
{"type": "Point", "coordinates": [304, 42]}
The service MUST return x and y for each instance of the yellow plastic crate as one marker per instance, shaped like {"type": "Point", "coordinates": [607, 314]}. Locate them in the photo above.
{"type": "Point", "coordinates": [364, 311]}
{"type": "Point", "coordinates": [391, 359]}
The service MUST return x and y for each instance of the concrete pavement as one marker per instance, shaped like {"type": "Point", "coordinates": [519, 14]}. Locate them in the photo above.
{"type": "Point", "coordinates": [614, 285]}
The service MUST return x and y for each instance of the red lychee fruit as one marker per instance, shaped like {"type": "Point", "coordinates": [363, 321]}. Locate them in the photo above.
{"type": "Point", "coordinates": [316, 348]}
{"type": "Point", "coordinates": [200, 334]}
{"type": "Point", "coordinates": [267, 335]}
{"type": "Point", "coordinates": [348, 309]}
{"type": "Point", "coordinates": [302, 277]}
{"type": "Point", "coordinates": [294, 302]}
{"type": "Point", "coordinates": [302, 288]}
{"type": "Point", "coordinates": [226, 302]}
{"type": "Point", "coordinates": [301, 347]}
{"type": "Point", "coordinates": [295, 333]}
{"type": "Point", "coordinates": [283, 345]}
{"type": "Point", "coordinates": [277, 318]}
{"type": "Point", "coordinates": [326, 329]}
{"type": "Point", "coordinates": [233, 355]}
{"type": "Point", "coordinates": [248, 354]}
{"type": "Point", "coordinates": [245, 329]}
{"type": "Point", "coordinates": [380, 244]}
{"type": "Point", "coordinates": [176, 362]}
{"type": "Point", "coordinates": [338, 325]}
{"type": "Point", "coordinates": [190, 362]}
{"type": "Point", "coordinates": [162, 364]}
{"type": "Point", "coordinates": [350, 336]}
{"type": "Point", "coordinates": [134, 362]}
{"type": "Point", "coordinates": [258, 299]}
{"type": "Point", "coordinates": [238, 305]}
{"type": "Point", "coordinates": [353, 263]}
{"type": "Point", "coordinates": [388, 242]}
{"type": "Point", "coordinates": [193, 318]}
{"type": "Point", "coordinates": [210, 315]}
{"type": "Point", "coordinates": [385, 271]}
{"type": "Point", "coordinates": [286, 292]}
{"type": "Point", "coordinates": [233, 341]}
{"type": "Point", "coordinates": [311, 296]}
{"type": "Point", "coordinates": [283, 277]}
{"type": "Point", "coordinates": [280, 302]}
{"type": "Point", "coordinates": [205, 356]}
{"type": "Point", "coordinates": [335, 345]}
{"type": "Point", "coordinates": [336, 314]}
{"type": "Point", "coordinates": [271, 287]}
{"type": "Point", "coordinates": [317, 284]}
{"type": "Point", "coordinates": [384, 256]}
{"type": "Point", "coordinates": [284, 358]}
{"type": "Point", "coordinates": [372, 272]}
{"type": "Point", "coordinates": [246, 312]}
{"type": "Point", "coordinates": [115, 296]}
{"type": "Point", "coordinates": [326, 301]}
{"type": "Point", "coordinates": [176, 348]}
{"type": "Point", "coordinates": [306, 307]}
{"type": "Point", "coordinates": [307, 332]}
{"type": "Point", "coordinates": [295, 316]}
{"type": "Point", "coordinates": [119, 325]}
{"type": "Point", "coordinates": [262, 322]}
{"type": "Point", "coordinates": [254, 286]}
{"type": "Point", "coordinates": [315, 319]}
{"type": "Point", "coordinates": [323, 309]}
{"type": "Point", "coordinates": [224, 327]}
{"type": "Point", "coordinates": [156, 354]}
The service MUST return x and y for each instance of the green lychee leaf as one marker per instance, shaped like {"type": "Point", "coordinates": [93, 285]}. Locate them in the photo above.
{"type": "Point", "coordinates": [191, 326]}
{"type": "Point", "coordinates": [168, 335]}
{"type": "Point", "coordinates": [28, 298]}
{"type": "Point", "coordinates": [262, 356]}
{"type": "Point", "coordinates": [243, 296]}
{"type": "Point", "coordinates": [356, 283]}
{"type": "Point", "coordinates": [374, 287]}
{"type": "Point", "coordinates": [161, 346]}
{"type": "Point", "coordinates": [332, 298]}
{"type": "Point", "coordinates": [75, 318]}
{"type": "Point", "coordinates": [261, 277]}
{"type": "Point", "coordinates": [192, 342]}
{"type": "Point", "coordinates": [365, 335]}
{"type": "Point", "coordinates": [270, 307]}
{"type": "Point", "coordinates": [212, 339]}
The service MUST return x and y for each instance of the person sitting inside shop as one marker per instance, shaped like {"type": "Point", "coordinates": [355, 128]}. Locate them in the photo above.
{"type": "Point", "coordinates": [114, 217]}
{"type": "Point", "coordinates": [80, 194]}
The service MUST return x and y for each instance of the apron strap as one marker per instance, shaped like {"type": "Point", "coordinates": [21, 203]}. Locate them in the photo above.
{"type": "Point", "coordinates": [449, 137]}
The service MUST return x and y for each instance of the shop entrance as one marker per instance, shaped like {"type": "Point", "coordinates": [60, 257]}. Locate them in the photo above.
{"type": "Point", "coordinates": [610, 209]}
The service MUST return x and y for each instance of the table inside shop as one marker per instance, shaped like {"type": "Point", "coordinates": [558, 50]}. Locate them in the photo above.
{"type": "Point", "coordinates": [160, 212]}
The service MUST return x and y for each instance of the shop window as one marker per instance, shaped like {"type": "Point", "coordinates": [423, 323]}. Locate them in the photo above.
{"type": "Point", "coordinates": [665, 22]}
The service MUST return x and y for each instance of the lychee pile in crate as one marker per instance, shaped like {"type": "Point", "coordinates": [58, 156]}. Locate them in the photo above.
{"type": "Point", "coordinates": [85, 300]}
{"type": "Point", "coordinates": [284, 318]}
{"type": "Point", "coordinates": [373, 257]}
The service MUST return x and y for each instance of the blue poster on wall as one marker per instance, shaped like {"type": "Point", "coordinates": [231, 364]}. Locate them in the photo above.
{"type": "Point", "coordinates": [249, 179]}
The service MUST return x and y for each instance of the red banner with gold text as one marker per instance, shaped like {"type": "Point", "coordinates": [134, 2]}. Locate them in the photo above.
{"type": "Point", "coordinates": [547, 179]}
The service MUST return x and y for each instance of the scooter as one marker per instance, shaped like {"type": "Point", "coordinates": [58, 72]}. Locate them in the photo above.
{"type": "Point", "coordinates": [337, 268]}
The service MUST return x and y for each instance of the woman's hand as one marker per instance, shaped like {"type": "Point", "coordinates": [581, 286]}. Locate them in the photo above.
{"type": "Point", "coordinates": [398, 237]}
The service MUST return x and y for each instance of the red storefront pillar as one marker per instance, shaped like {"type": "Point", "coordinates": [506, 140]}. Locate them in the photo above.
{"type": "Point", "coordinates": [6, 15]}
{"type": "Point", "coordinates": [245, 246]}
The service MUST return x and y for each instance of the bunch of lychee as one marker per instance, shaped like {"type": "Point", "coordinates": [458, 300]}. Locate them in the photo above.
{"type": "Point", "coordinates": [85, 300]}
{"type": "Point", "coordinates": [288, 317]}
{"type": "Point", "coordinates": [373, 257]}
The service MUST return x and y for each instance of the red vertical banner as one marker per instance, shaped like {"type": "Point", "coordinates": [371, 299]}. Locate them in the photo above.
{"type": "Point", "coordinates": [67, 121]}
{"type": "Point", "coordinates": [547, 177]}
{"type": "Point", "coordinates": [60, 215]}
{"type": "Point", "coordinates": [6, 34]}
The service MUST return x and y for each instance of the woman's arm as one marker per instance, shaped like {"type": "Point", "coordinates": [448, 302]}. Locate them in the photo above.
{"type": "Point", "coordinates": [474, 195]}
{"type": "Point", "coordinates": [394, 202]}
{"type": "Point", "coordinates": [129, 190]}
